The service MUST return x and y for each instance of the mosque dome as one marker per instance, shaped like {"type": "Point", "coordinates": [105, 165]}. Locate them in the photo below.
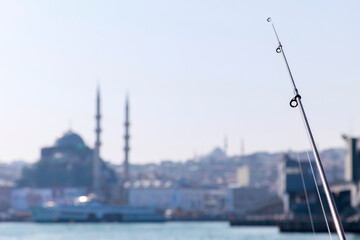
{"type": "Point", "coordinates": [70, 139]}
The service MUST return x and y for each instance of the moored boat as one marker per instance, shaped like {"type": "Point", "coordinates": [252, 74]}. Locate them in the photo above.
{"type": "Point", "coordinates": [85, 209]}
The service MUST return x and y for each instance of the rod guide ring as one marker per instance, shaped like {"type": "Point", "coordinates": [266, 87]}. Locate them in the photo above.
{"type": "Point", "coordinates": [294, 101]}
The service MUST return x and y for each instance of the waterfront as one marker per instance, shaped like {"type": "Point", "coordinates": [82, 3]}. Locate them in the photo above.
{"type": "Point", "coordinates": [149, 231]}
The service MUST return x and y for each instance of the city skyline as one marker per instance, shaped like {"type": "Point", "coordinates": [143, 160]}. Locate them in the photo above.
{"type": "Point", "coordinates": [195, 72]}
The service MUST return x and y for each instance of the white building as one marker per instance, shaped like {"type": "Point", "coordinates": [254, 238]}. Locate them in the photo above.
{"type": "Point", "coordinates": [165, 196]}
{"type": "Point", "coordinates": [24, 198]}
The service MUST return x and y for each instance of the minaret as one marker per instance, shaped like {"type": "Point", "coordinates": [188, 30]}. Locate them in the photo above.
{"type": "Point", "coordinates": [126, 137]}
{"type": "Point", "coordinates": [96, 163]}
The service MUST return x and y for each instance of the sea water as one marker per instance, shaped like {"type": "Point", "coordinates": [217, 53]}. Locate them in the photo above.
{"type": "Point", "coordinates": [148, 231]}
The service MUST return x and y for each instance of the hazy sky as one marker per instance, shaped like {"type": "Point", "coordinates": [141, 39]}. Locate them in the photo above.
{"type": "Point", "coordinates": [195, 71]}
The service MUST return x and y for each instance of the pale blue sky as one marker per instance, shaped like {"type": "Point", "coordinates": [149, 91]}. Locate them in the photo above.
{"type": "Point", "coordinates": [195, 71]}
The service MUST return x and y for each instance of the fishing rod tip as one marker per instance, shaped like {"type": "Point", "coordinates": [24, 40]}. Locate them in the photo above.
{"type": "Point", "coordinates": [269, 19]}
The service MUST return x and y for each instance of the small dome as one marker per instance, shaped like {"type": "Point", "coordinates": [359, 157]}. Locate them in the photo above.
{"type": "Point", "coordinates": [69, 139]}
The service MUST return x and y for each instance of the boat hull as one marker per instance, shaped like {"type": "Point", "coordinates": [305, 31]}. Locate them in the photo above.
{"type": "Point", "coordinates": [103, 213]}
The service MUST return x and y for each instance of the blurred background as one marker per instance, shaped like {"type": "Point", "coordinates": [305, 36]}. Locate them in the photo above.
{"type": "Point", "coordinates": [177, 109]}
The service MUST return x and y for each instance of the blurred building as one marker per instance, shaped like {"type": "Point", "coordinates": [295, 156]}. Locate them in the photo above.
{"type": "Point", "coordinates": [68, 163]}
{"type": "Point", "coordinates": [22, 199]}
{"type": "Point", "coordinates": [167, 195]}
{"type": "Point", "coordinates": [297, 184]}
{"type": "Point", "coordinates": [242, 200]}
{"type": "Point", "coordinates": [352, 161]}
{"type": "Point", "coordinates": [291, 190]}
{"type": "Point", "coordinates": [6, 188]}
{"type": "Point", "coordinates": [352, 173]}
{"type": "Point", "coordinates": [243, 176]}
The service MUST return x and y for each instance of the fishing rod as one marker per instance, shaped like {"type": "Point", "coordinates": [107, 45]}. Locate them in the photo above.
{"type": "Point", "coordinates": [294, 102]}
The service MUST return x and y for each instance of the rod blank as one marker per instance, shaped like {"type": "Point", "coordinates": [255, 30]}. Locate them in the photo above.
{"type": "Point", "coordinates": [334, 212]}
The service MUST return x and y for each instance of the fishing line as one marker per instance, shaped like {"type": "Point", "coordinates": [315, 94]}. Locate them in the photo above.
{"type": "Point", "coordinates": [296, 136]}
{"type": "Point", "coordinates": [319, 196]}
{"type": "Point", "coordinates": [306, 195]}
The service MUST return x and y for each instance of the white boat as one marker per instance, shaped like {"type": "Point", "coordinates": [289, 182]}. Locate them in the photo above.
{"type": "Point", "coordinates": [85, 209]}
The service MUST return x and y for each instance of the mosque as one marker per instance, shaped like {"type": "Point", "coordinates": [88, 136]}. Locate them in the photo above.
{"type": "Point", "coordinates": [70, 163]}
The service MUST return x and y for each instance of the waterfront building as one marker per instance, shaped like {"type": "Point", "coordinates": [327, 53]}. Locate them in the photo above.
{"type": "Point", "coordinates": [168, 195]}
{"type": "Point", "coordinates": [295, 175]}
{"type": "Point", "coordinates": [352, 161]}
{"type": "Point", "coordinates": [242, 200]}
{"type": "Point", "coordinates": [5, 195]}
{"type": "Point", "coordinates": [291, 189]}
{"type": "Point", "coordinates": [70, 163]}
{"type": "Point", "coordinates": [22, 199]}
